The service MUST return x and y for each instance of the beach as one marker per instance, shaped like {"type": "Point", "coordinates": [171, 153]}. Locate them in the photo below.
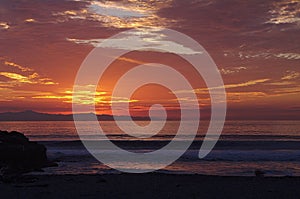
{"type": "Point", "coordinates": [244, 164]}
{"type": "Point", "coordinates": [152, 185]}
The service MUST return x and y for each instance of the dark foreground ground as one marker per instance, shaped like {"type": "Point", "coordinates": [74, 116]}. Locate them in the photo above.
{"type": "Point", "coordinates": [151, 186]}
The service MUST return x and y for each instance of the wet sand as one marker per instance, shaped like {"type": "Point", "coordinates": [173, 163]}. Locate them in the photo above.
{"type": "Point", "coordinates": [151, 186]}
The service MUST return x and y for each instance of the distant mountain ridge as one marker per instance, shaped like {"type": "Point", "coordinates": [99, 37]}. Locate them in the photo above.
{"type": "Point", "coordinates": [30, 115]}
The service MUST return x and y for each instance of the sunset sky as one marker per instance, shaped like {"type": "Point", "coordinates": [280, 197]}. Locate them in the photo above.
{"type": "Point", "coordinates": [254, 43]}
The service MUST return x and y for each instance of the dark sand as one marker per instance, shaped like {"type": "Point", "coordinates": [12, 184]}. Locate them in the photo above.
{"type": "Point", "coordinates": [151, 186]}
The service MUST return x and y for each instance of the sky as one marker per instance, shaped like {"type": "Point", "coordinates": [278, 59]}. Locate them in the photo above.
{"type": "Point", "coordinates": [255, 45]}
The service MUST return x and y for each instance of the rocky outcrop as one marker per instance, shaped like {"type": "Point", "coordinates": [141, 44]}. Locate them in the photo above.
{"type": "Point", "coordinates": [19, 155]}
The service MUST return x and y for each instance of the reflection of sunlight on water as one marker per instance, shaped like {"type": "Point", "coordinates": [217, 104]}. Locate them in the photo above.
{"type": "Point", "coordinates": [223, 168]}
{"type": "Point", "coordinates": [135, 166]}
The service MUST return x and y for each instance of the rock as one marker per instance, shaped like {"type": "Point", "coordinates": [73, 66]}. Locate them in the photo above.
{"type": "Point", "coordinates": [13, 137]}
{"type": "Point", "coordinates": [19, 155]}
{"type": "Point", "coordinates": [259, 173]}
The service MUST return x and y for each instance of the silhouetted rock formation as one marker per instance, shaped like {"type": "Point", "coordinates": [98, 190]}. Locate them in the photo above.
{"type": "Point", "coordinates": [19, 155]}
{"type": "Point", "coordinates": [259, 173]}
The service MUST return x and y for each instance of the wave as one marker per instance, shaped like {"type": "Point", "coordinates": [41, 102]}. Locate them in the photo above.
{"type": "Point", "coordinates": [246, 155]}
{"type": "Point", "coordinates": [156, 144]}
{"type": "Point", "coordinates": [241, 158]}
{"type": "Point", "coordinates": [163, 137]}
{"type": "Point", "coordinates": [224, 150]}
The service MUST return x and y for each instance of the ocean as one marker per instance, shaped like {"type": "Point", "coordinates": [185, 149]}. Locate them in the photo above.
{"type": "Point", "coordinates": [244, 146]}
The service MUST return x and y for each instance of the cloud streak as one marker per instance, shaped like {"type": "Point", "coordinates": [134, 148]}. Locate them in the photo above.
{"type": "Point", "coordinates": [285, 12]}
{"type": "Point", "coordinates": [22, 68]}
{"type": "Point", "coordinates": [4, 26]}
{"type": "Point", "coordinates": [120, 14]}
{"type": "Point", "coordinates": [140, 38]}
{"type": "Point", "coordinates": [30, 79]}
{"type": "Point", "coordinates": [116, 10]}
{"type": "Point", "coordinates": [291, 75]}
{"type": "Point", "coordinates": [12, 83]}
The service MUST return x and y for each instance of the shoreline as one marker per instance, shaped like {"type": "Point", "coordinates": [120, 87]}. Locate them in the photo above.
{"type": "Point", "coordinates": [150, 185]}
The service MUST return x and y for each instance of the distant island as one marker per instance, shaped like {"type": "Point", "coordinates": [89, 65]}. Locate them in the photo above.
{"type": "Point", "coordinates": [30, 115]}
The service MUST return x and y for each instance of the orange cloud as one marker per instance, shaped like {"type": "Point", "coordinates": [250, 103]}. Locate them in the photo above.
{"type": "Point", "coordinates": [30, 79]}
{"type": "Point", "coordinates": [22, 68]}
{"type": "Point", "coordinates": [4, 25]}
{"type": "Point", "coordinates": [291, 75]}
{"type": "Point", "coordinates": [15, 76]}
{"type": "Point", "coordinates": [30, 20]}
{"type": "Point", "coordinates": [227, 86]}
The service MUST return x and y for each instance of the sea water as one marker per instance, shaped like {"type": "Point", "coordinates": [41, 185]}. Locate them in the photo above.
{"type": "Point", "coordinates": [244, 146]}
